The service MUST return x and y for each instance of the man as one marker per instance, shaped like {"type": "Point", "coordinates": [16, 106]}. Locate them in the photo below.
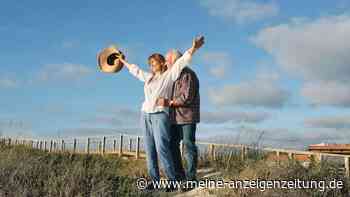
{"type": "Point", "coordinates": [185, 107]}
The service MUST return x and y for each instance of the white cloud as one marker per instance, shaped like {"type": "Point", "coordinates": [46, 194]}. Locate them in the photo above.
{"type": "Point", "coordinates": [219, 63]}
{"type": "Point", "coordinates": [314, 49]}
{"type": "Point", "coordinates": [114, 116]}
{"type": "Point", "coordinates": [15, 127]}
{"type": "Point", "coordinates": [11, 123]}
{"type": "Point", "coordinates": [218, 72]}
{"type": "Point", "coordinates": [332, 93]}
{"type": "Point", "coordinates": [258, 92]}
{"type": "Point", "coordinates": [69, 44]}
{"type": "Point", "coordinates": [267, 74]}
{"type": "Point", "coordinates": [105, 120]}
{"type": "Point", "coordinates": [240, 11]}
{"type": "Point", "coordinates": [64, 71]}
{"type": "Point", "coordinates": [275, 137]}
{"type": "Point", "coordinates": [218, 117]}
{"type": "Point", "coordinates": [6, 82]}
{"type": "Point", "coordinates": [96, 132]}
{"type": "Point", "coordinates": [333, 122]}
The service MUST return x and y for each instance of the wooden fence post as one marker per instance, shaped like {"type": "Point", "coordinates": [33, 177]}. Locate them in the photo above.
{"type": "Point", "coordinates": [88, 146]}
{"type": "Point", "coordinates": [138, 147]}
{"type": "Point", "coordinates": [278, 157]}
{"type": "Point", "coordinates": [130, 145]}
{"type": "Point", "coordinates": [50, 149]}
{"type": "Point", "coordinates": [55, 146]}
{"type": "Point", "coordinates": [319, 157]}
{"type": "Point", "coordinates": [62, 146]}
{"type": "Point", "coordinates": [45, 145]}
{"type": "Point", "coordinates": [243, 152]}
{"type": "Point", "coordinates": [99, 149]}
{"type": "Point", "coordinates": [121, 145]}
{"type": "Point", "coordinates": [212, 151]}
{"type": "Point", "coordinates": [74, 145]}
{"type": "Point", "coordinates": [290, 155]}
{"type": "Point", "coordinates": [114, 146]}
{"type": "Point", "coordinates": [104, 145]}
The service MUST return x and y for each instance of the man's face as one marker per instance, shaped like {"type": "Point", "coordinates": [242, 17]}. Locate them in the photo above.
{"type": "Point", "coordinates": [169, 59]}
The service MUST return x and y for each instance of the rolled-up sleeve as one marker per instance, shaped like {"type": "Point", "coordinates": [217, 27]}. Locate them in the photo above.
{"type": "Point", "coordinates": [181, 63]}
{"type": "Point", "coordinates": [139, 73]}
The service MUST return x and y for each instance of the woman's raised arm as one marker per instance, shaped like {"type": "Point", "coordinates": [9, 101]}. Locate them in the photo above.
{"type": "Point", "coordinates": [136, 71]}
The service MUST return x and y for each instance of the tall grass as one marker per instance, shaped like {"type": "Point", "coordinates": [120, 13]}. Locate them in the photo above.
{"type": "Point", "coordinates": [27, 172]}
{"type": "Point", "coordinates": [256, 166]}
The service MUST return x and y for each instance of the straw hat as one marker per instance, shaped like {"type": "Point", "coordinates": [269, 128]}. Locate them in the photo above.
{"type": "Point", "coordinates": [108, 60]}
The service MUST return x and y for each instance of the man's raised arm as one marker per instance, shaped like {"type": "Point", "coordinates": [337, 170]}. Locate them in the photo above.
{"type": "Point", "coordinates": [183, 61]}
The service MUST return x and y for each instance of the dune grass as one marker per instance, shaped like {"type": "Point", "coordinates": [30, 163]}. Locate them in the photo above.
{"type": "Point", "coordinates": [257, 166]}
{"type": "Point", "coordinates": [28, 172]}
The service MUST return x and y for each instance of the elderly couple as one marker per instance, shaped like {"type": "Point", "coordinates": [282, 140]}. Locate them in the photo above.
{"type": "Point", "coordinates": [170, 112]}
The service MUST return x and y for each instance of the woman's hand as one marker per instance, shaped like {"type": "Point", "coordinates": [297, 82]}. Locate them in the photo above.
{"type": "Point", "coordinates": [163, 102]}
{"type": "Point", "coordinates": [128, 65]}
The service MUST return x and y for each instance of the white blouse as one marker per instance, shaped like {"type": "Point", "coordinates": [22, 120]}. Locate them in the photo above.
{"type": "Point", "coordinates": [160, 86]}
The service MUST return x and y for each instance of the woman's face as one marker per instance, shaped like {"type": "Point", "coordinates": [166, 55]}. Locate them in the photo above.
{"type": "Point", "coordinates": [155, 65]}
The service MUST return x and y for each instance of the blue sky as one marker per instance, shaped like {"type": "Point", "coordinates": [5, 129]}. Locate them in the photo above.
{"type": "Point", "coordinates": [277, 66]}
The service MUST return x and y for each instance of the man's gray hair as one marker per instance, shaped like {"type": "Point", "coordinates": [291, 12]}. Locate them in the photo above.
{"type": "Point", "coordinates": [176, 53]}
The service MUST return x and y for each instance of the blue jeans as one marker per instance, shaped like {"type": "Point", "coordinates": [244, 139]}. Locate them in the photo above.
{"type": "Point", "coordinates": [186, 133]}
{"type": "Point", "coordinates": [156, 130]}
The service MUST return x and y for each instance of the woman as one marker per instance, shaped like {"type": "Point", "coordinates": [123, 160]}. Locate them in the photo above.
{"type": "Point", "coordinates": [155, 119]}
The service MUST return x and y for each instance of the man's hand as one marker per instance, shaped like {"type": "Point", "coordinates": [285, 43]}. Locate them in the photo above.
{"type": "Point", "coordinates": [198, 42]}
{"type": "Point", "coordinates": [162, 102]}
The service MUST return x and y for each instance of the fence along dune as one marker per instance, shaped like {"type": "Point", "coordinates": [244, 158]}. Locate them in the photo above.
{"type": "Point", "coordinates": [132, 146]}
